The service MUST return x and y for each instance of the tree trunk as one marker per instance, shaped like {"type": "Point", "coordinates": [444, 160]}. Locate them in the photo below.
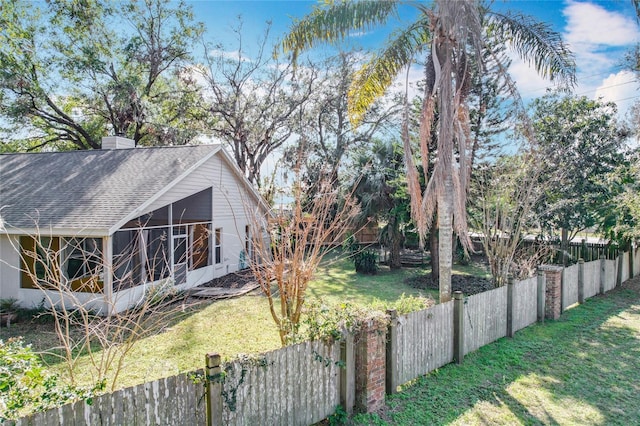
{"type": "Point", "coordinates": [395, 243]}
{"type": "Point", "coordinates": [433, 248]}
{"type": "Point", "coordinates": [564, 246]}
{"type": "Point", "coordinates": [445, 238]}
{"type": "Point", "coordinates": [445, 158]}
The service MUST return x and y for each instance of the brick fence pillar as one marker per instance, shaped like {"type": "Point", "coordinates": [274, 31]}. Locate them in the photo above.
{"type": "Point", "coordinates": [370, 367]}
{"type": "Point", "coordinates": [553, 293]}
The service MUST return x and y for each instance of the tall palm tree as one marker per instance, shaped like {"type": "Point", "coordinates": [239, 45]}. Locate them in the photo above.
{"type": "Point", "coordinates": [446, 33]}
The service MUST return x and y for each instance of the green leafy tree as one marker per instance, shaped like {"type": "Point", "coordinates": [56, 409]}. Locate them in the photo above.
{"type": "Point", "coordinates": [580, 142]}
{"type": "Point", "coordinates": [73, 72]}
{"type": "Point", "coordinates": [381, 190]}
{"type": "Point", "coordinates": [620, 213]}
{"type": "Point", "coordinates": [446, 33]}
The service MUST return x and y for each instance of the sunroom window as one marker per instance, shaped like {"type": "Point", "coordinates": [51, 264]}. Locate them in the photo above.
{"type": "Point", "coordinates": [83, 257]}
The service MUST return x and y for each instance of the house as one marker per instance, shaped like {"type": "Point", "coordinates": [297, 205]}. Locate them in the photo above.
{"type": "Point", "coordinates": [106, 224]}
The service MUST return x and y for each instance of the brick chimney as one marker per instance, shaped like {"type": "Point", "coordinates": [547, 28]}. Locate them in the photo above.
{"type": "Point", "coordinates": [117, 142]}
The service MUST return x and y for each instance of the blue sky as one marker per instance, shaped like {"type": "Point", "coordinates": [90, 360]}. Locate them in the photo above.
{"type": "Point", "coordinates": [599, 32]}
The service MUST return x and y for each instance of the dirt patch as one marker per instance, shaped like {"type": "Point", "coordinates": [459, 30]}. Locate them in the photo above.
{"type": "Point", "coordinates": [467, 284]}
{"type": "Point", "coordinates": [233, 280]}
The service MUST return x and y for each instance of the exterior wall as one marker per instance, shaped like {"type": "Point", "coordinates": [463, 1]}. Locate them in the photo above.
{"type": "Point", "coordinates": [232, 210]}
{"type": "Point", "coordinates": [33, 298]}
{"type": "Point", "coordinates": [9, 267]}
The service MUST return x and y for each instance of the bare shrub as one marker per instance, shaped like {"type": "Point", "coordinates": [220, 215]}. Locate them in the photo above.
{"type": "Point", "coordinates": [507, 193]}
{"type": "Point", "coordinates": [93, 324]}
{"type": "Point", "coordinates": [289, 245]}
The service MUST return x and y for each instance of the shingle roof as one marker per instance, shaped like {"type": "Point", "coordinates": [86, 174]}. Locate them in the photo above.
{"type": "Point", "coordinates": [87, 189]}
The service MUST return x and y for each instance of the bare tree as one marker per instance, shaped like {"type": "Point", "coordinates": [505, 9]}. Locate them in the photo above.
{"type": "Point", "coordinates": [70, 78]}
{"type": "Point", "coordinates": [330, 136]}
{"type": "Point", "coordinates": [289, 246]}
{"type": "Point", "coordinates": [254, 101]}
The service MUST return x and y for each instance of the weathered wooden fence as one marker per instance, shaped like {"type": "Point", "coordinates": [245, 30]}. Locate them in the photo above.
{"type": "Point", "coordinates": [294, 385]}
{"type": "Point", "coordinates": [488, 316]}
{"type": "Point", "coordinates": [302, 384]}
{"type": "Point", "coordinates": [485, 318]}
{"type": "Point", "coordinates": [424, 342]}
{"type": "Point", "coordinates": [175, 400]}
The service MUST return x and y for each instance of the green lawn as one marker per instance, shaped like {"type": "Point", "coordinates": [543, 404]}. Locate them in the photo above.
{"type": "Point", "coordinates": [336, 281]}
{"type": "Point", "coordinates": [583, 369]}
{"type": "Point", "coordinates": [230, 327]}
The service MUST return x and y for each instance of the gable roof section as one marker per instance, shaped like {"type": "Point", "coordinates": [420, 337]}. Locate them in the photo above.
{"type": "Point", "coordinates": [89, 190]}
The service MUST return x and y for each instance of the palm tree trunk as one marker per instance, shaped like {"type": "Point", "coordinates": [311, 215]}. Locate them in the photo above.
{"type": "Point", "coordinates": [445, 238]}
{"type": "Point", "coordinates": [445, 157]}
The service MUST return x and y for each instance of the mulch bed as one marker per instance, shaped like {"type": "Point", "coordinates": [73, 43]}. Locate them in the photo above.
{"type": "Point", "coordinates": [231, 285]}
{"type": "Point", "coordinates": [233, 280]}
{"type": "Point", "coordinates": [467, 284]}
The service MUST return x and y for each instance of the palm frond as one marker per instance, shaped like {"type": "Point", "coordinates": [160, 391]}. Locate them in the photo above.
{"type": "Point", "coordinates": [536, 43]}
{"type": "Point", "coordinates": [375, 76]}
{"type": "Point", "coordinates": [335, 21]}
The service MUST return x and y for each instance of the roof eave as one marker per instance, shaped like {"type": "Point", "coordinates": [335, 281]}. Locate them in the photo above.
{"type": "Point", "coordinates": [54, 231]}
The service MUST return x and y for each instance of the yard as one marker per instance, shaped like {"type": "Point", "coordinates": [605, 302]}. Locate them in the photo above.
{"type": "Point", "coordinates": [233, 326]}
{"type": "Point", "coordinates": [582, 369]}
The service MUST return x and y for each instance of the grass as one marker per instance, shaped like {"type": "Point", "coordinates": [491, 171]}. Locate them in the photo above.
{"type": "Point", "coordinates": [582, 369]}
{"type": "Point", "coordinates": [336, 281]}
{"type": "Point", "coordinates": [230, 327]}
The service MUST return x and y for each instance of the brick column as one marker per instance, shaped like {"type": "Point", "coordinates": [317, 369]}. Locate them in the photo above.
{"type": "Point", "coordinates": [553, 293]}
{"type": "Point", "coordinates": [370, 367]}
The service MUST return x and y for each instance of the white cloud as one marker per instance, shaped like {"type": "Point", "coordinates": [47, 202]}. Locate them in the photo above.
{"type": "Point", "coordinates": [621, 88]}
{"type": "Point", "coordinates": [229, 54]}
{"type": "Point", "coordinates": [597, 36]}
{"type": "Point", "coordinates": [529, 83]}
{"type": "Point", "coordinates": [591, 24]}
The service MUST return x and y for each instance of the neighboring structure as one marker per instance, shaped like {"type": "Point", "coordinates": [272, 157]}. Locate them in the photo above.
{"type": "Point", "coordinates": [107, 223]}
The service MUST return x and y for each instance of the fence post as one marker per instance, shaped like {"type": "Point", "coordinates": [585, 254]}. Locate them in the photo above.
{"type": "Point", "coordinates": [392, 358]}
{"type": "Point", "coordinates": [553, 290]}
{"type": "Point", "coordinates": [370, 377]}
{"type": "Point", "coordinates": [458, 327]}
{"type": "Point", "coordinates": [347, 373]}
{"type": "Point", "coordinates": [581, 281]}
{"type": "Point", "coordinates": [541, 294]}
{"type": "Point", "coordinates": [213, 378]}
{"type": "Point", "coordinates": [603, 271]}
{"type": "Point", "coordinates": [631, 259]}
{"type": "Point", "coordinates": [620, 265]}
{"type": "Point", "coordinates": [510, 284]}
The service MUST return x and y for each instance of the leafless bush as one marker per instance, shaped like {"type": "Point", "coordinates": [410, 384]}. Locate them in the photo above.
{"type": "Point", "coordinates": [94, 323]}
{"type": "Point", "coordinates": [289, 245]}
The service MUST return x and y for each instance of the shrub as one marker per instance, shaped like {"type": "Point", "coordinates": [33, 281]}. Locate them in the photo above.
{"type": "Point", "coordinates": [365, 260]}
{"type": "Point", "coordinates": [26, 387]}
{"type": "Point", "coordinates": [330, 322]}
